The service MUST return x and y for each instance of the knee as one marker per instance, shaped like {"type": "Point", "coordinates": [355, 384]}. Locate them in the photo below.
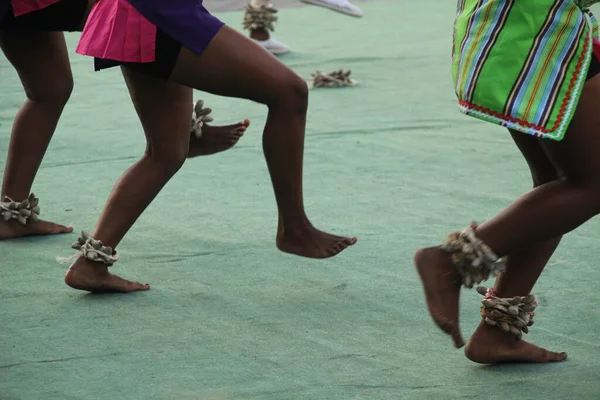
{"type": "Point", "coordinates": [545, 176]}
{"type": "Point", "coordinates": [291, 93]}
{"type": "Point", "coordinates": [167, 160]}
{"type": "Point", "coordinates": [54, 92]}
{"type": "Point", "coordinates": [543, 171]}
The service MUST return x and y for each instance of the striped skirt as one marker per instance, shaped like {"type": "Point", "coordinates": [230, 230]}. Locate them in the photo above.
{"type": "Point", "coordinates": [522, 64]}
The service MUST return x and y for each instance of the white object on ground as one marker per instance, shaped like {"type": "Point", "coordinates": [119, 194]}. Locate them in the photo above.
{"type": "Point", "coordinates": [273, 46]}
{"type": "Point", "coordinates": [342, 6]}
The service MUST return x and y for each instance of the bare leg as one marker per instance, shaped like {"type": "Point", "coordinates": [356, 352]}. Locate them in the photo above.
{"type": "Point", "coordinates": [557, 207]}
{"type": "Point", "coordinates": [523, 268]}
{"type": "Point", "coordinates": [167, 133]}
{"type": "Point", "coordinates": [548, 211]}
{"type": "Point", "coordinates": [42, 62]}
{"type": "Point", "coordinates": [234, 66]}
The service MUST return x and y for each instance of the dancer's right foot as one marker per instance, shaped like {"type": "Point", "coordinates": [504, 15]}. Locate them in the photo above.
{"type": "Point", "coordinates": [490, 345]}
{"type": "Point", "coordinates": [94, 277]}
{"type": "Point", "coordinates": [13, 229]}
{"type": "Point", "coordinates": [442, 284]}
{"type": "Point", "coordinates": [307, 241]}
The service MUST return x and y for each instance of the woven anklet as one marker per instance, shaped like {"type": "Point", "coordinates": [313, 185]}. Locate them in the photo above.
{"type": "Point", "coordinates": [25, 211]}
{"type": "Point", "coordinates": [93, 250]}
{"type": "Point", "coordinates": [260, 18]}
{"type": "Point", "coordinates": [474, 260]}
{"type": "Point", "coordinates": [200, 116]}
{"type": "Point", "coordinates": [514, 315]}
{"type": "Point", "coordinates": [335, 79]}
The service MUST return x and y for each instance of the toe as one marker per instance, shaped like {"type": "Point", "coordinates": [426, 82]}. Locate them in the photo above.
{"type": "Point", "coordinates": [555, 357]}
{"type": "Point", "coordinates": [333, 251]}
{"type": "Point", "coordinates": [137, 286]}
{"type": "Point", "coordinates": [458, 340]}
{"type": "Point", "coordinates": [537, 354]}
{"type": "Point", "coordinates": [63, 229]}
{"type": "Point", "coordinates": [340, 246]}
{"type": "Point", "coordinates": [49, 228]}
{"type": "Point", "coordinates": [134, 286]}
{"type": "Point", "coordinates": [561, 356]}
{"type": "Point", "coordinates": [350, 241]}
{"type": "Point", "coordinates": [451, 329]}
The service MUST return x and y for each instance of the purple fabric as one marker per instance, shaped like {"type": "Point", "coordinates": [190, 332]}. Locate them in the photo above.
{"type": "Point", "coordinates": [186, 21]}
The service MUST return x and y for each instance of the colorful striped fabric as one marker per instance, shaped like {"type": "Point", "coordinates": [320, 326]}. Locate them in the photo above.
{"type": "Point", "coordinates": [522, 64]}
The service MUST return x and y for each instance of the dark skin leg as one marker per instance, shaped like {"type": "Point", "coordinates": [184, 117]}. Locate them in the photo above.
{"type": "Point", "coordinates": [548, 211]}
{"type": "Point", "coordinates": [41, 59]}
{"type": "Point", "coordinates": [42, 62]}
{"type": "Point", "coordinates": [167, 134]}
{"type": "Point", "coordinates": [489, 344]}
{"type": "Point", "coordinates": [232, 66]}
{"type": "Point", "coordinates": [535, 257]}
{"type": "Point", "coordinates": [267, 81]}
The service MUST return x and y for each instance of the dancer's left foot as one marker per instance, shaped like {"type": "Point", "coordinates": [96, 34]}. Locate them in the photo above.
{"type": "Point", "coordinates": [216, 139]}
{"type": "Point", "coordinates": [490, 345]}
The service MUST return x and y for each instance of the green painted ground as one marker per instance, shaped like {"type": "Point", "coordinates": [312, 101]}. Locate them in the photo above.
{"type": "Point", "coordinates": [228, 317]}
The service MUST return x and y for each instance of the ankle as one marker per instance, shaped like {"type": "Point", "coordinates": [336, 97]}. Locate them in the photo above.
{"type": "Point", "coordinates": [260, 34]}
{"type": "Point", "coordinates": [491, 334]}
{"type": "Point", "coordinates": [16, 195]}
{"type": "Point", "coordinates": [294, 226]}
{"type": "Point", "coordinates": [82, 268]}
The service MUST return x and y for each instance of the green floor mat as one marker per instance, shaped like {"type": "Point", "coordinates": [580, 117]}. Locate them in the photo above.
{"type": "Point", "coordinates": [229, 317]}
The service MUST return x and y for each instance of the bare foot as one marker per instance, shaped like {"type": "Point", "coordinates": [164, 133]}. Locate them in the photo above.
{"type": "Point", "coordinates": [489, 345]}
{"type": "Point", "coordinates": [442, 284]}
{"type": "Point", "coordinates": [14, 229]}
{"type": "Point", "coordinates": [216, 139]}
{"type": "Point", "coordinates": [95, 278]}
{"type": "Point", "coordinates": [312, 243]}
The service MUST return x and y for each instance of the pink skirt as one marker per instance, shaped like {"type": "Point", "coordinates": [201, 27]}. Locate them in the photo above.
{"type": "Point", "coordinates": [115, 30]}
{"type": "Point", "coordinates": [21, 7]}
